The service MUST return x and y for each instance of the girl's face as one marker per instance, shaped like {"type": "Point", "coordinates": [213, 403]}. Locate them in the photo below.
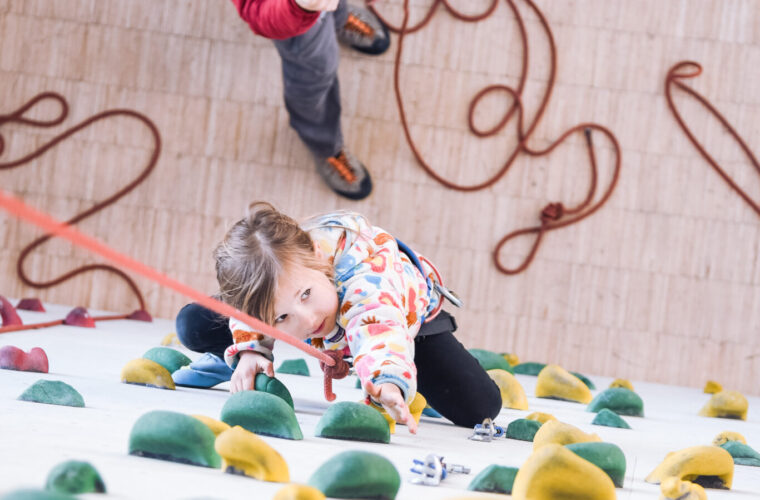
{"type": "Point", "coordinates": [306, 303]}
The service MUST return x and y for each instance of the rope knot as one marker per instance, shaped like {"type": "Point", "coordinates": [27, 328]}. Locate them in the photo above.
{"type": "Point", "coordinates": [338, 371]}
{"type": "Point", "coordinates": [551, 212]}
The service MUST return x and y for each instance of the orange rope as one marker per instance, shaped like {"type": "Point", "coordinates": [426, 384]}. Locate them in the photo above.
{"type": "Point", "coordinates": [17, 208]}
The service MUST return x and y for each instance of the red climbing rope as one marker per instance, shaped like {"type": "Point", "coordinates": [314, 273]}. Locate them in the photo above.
{"type": "Point", "coordinates": [18, 117]}
{"type": "Point", "coordinates": [690, 69]}
{"type": "Point", "coordinates": [338, 370]}
{"type": "Point", "coordinates": [554, 215]}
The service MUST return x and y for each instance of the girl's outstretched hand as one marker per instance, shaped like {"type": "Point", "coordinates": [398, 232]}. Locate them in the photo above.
{"type": "Point", "coordinates": [389, 395]}
{"type": "Point", "coordinates": [249, 365]}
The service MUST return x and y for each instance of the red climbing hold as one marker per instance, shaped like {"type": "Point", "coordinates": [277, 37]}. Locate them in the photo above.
{"type": "Point", "coordinates": [30, 305]}
{"type": "Point", "coordinates": [13, 358]}
{"type": "Point", "coordinates": [8, 313]}
{"type": "Point", "coordinates": [79, 317]}
{"type": "Point", "coordinates": [141, 315]}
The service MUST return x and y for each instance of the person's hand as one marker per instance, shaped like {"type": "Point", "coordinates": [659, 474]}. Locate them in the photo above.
{"type": "Point", "coordinates": [249, 364]}
{"type": "Point", "coordinates": [318, 5]}
{"type": "Point", "coordinates": [389, 395]}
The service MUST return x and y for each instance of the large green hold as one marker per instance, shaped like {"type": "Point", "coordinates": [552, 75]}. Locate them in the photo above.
{"type": "Point", "coordinates": [742, 453]}
{"type": "Point", "coordinates": [261, 413]}
{"type": "Point", "coordinates": [522, 429]}
{"type": "Point", "coordinates": [74, 477]}
{"type": "Point", "coordinates": [355, 422]}
{"type": "Point", "coordinates": [30, 494]}
{"type": "Point", "coordinates": [609, 418]}
{"type": "Point", "coordinates": [606, 456]}
{"type": "Point", "coordinates": [620, 400]}
{"type": "Point", "coordinates": [53, 392]}
{"type": "Point", "coordinates": [533, 368]}
{"type": "Point", "coordinates": [494, 479]}
{"type": "Point", "coordinates": [169, 358]}
{"type": "Point", "coordinates": [490, 360]}
{"type": "Point", "coordinates": [357, 474]}
{"type": "Point", "coordinates": [265, 383]}
{"type": "Point", "coordinates": [176, 437]}
{"type": "Point", "coordinates": [294, 367]}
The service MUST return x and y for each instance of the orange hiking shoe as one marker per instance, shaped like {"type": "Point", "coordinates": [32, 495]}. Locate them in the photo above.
{"type": "Point", "coordinates": [364, 32]}
{"type": "Point", "coordinates": [345, 175]}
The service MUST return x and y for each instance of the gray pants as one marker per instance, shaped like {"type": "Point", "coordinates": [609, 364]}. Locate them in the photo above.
{"type": "Point", "coordinates": [310, 80]}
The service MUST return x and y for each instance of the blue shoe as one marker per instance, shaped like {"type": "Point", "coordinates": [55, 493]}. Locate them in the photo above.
{"type": "Point", "coordinates": [207, 371]}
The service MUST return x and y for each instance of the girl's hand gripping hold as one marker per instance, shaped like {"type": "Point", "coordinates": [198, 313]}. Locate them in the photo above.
{"type": "Point", "coordinates": [249, 365]}
{"type": "Point", "coordinates": [389, 395]}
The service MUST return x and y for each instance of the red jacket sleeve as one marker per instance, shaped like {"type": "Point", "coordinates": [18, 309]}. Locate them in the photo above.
{"type": "Point", "coordinates": [278, 19]}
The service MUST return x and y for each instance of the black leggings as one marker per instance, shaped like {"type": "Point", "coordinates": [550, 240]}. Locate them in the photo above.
{"type": "Point", "coordinates": [452, 381]}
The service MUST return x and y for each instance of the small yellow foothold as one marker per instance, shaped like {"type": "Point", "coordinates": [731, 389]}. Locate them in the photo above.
{"type": "Point", "coordinates": [711, 387]}
{"type": "Point", "coordinates": [511, 358]}
{"type": "Point", "coordinates": [690, 463]}
{"type": "Point", "coordinates": [541, 417]}
{"type": "Point", "coordinates": [556, 432]}
{"type": "Point", "coordinates": [416, 406]}
{"type": "Point", "coordinates": [142, 371]}
{"type": "Point", "coordinates": [554, 472]}
{"type": "Point", "coordinates": [512, 393]}
{"type": "Point", "coordinates": [673, 488]}
{"type": "Point", "coordinates": [556, 382]}
{"type": "Point", "coordinates": [622, 382]}
{"type": "Point", "coordinates": [298, 492]}
{"type": "Point", "coordinates": [726, 436]}
{"type": "Point", "coordinates": [170, 339]}
{"type": "Point", "coordinates": [243, 452]}
{"type": "Point", "coordinates": [726, 404]}
{"type": "Point", "coordinates": [391, 422]}
{"type": "Point", "coordinates": [216, 426]}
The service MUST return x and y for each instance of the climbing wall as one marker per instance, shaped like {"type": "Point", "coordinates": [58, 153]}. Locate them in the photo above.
{"type": "Point", "coordinates": [36, 437]}
{"type": "Point", "coordinates": [661, 284]}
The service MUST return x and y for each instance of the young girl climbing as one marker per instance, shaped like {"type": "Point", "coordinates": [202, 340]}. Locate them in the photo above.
{"type": "Point", "coordinates": [342, 284]}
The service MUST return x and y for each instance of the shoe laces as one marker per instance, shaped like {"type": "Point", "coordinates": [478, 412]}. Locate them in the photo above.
{"type": "Point", "coordinates": [353, 23]}
{"type": "Point", "coordinates": [341, 165]}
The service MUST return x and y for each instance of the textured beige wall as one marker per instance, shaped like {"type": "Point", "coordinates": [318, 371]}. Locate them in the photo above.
{"type": "Point", "coordinates": [662, 284]}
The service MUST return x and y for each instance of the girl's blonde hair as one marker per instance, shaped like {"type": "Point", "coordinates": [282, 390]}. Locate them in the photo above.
{"type": "Point", "coordinates": [253, 255]}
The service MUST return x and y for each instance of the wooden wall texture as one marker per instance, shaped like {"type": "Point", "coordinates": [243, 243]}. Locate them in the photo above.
{"type": "Point", "coordinates": [662, 284]}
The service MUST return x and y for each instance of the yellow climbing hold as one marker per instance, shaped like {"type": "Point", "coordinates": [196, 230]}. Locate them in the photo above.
{"type": "Point", "coordinates": [691, 463]}
{"type": "Point", "coordinates": [512, 393]}
{"type": "Point", "coordinates": [556, 382]}
{"type": "Point", "coordinates": [726, 436]}
{"type": "Point", "coordinates": [298, 492]}
{"type": "Point", "coordinates": [146, 372]}
{"type": "Point", "coordinates": [170, 339]}
{"type": "Point", "coordinates": [554, 472]}
{"type": "Point", "coordinates": [726, 404]}
{"type": "Point", "coordinates": [417, 405]}
{"type": "Point", "coordinates": [556, 432]}
{"type": "Point", "coordinates": [243, 452]}
{"type": "Point", "coordinates": [541, 417]}
{"type": "Point", "coordinates": [622, 382]}
{"type": "Point", "coordinates": [511, 358]}
{"type": "Point", "coordinates": [673, 488]}
{"type": "Point", "coordinates": [711, 387]}
{"type": "Point", "coordinates": [216, 426]}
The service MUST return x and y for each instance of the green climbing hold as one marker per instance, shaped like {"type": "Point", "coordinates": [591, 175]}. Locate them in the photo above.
{"type": "Point", "coordinates": [585, 380]}
{"type": "Point", "coordinates": [522, 429]}
{"type": "Point", "coordinates": [358, 383]}
{"type": "Point", "coordinates": [265, 383]}
{"type": "Point", "coordinates": [620, 400]}
{"type": "Point", "coordinates": [175, 437]}
{"type": "Point", "coordinates": [261, 413]}
{"type": "Point", "coordinates": [609, 418]}
{"type": "Point", "coordinates": [357, 474]}
{"type": "Point", "coordinates": [606, 456]}
{"type": "Point", "coordinates": [294, 367]}
{"type": "Point", "coordinates": [490, 360]}
{"type": "Point", "coordinates": [494, 479]}
{"type": "Point", "coordinates": [355, 422]}
{"type": "Point", "coordinates": [74, 477]}
{"type": "Point", "coordinates": [53, 392]}
{"type": "Point", "coordinates": [742, 453]}
{"type": "Point", "coordinates": [31, 494]}
{"type": "Point", "coordinates": [169, 358]}
{"type": "Point", "coordinates": [529, 368]}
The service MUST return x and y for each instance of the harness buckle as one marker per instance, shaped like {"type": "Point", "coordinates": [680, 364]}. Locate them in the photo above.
{"type": "Point", "coordinates": [449, 294]}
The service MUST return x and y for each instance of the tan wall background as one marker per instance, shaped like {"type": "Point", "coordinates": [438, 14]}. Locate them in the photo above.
{"type": "Point", "coordinates": [662, 284]}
